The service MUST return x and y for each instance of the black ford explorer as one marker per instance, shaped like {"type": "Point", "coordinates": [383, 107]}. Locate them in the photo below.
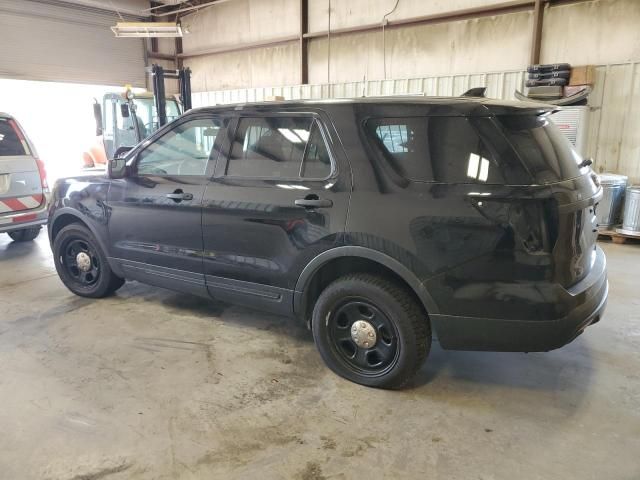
{"type": "Point", "coordinates": [379, 222]}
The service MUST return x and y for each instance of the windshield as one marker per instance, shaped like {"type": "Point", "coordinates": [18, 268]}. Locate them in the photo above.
{"type": "Point", "coordinates": [544, 150]}
{"type": "Point", "coordinates": [147, 114]}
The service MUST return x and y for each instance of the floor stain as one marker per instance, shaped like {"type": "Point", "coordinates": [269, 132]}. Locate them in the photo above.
{"type": "Point", "coordinates": [312, 471]}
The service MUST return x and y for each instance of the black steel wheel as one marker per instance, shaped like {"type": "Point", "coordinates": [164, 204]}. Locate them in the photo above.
{"type": "Point", "coordinates": [81, 261]}
{"type": "Point", "coordinates": [371, 330]}
{"type": "Point", "coordinates": [363, 337]}
{"type": "Point", "coordinates": [81, 264]}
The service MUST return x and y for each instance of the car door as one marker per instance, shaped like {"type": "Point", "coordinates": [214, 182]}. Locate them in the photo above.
{"type": "Point", "coordinates": [277, 200]}
{"type": "Point", "coordinates": [155, 229]}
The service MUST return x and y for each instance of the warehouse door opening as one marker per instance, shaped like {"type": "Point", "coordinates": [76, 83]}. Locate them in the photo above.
{"type": "Point", "coordinates": [58, 118]}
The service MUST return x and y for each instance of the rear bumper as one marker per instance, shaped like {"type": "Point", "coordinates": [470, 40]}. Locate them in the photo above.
{"type": "Point", "coordinates": [587, 300]}
{"type": "Point", "coordinates": [25, 219]}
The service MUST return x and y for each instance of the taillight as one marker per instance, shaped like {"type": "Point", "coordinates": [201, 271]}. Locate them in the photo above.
{"type": "Point", "coordinates": [43, 175]}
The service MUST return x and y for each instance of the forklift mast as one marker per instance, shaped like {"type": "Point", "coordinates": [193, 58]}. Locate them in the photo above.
{"type": "Point", "coordinates": [159, 74]}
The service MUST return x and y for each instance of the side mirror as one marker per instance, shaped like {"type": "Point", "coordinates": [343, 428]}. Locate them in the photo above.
{"type": "Point", "coordinates": [124, 110]}
{"type": "Point", "coordinates": [117, 167]}
{"type": "Point", "coordinates": [97, 114]}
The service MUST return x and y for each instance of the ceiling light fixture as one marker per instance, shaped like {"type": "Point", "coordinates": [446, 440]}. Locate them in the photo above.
{"type": "Point", "coordinates": [147, 29]}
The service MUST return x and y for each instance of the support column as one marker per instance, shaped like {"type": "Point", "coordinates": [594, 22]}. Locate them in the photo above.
{"type": "Point", "coordinates": [304, 42]}
{"type": "Point", "coordinates": [536, 38]}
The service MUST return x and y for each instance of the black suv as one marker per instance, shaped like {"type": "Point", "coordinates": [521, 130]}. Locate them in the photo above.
{"type": "Point", "coordinates": [376, 221]}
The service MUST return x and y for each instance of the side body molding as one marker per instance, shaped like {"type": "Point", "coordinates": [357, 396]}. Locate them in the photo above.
{"type": "Point", "coordinates": [362, 252]}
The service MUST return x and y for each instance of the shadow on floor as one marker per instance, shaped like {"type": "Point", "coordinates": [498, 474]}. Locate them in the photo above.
{"type": "Point", "coordinates": [10, 250]}
{"type": "Point", "coordinates": [564, 374]}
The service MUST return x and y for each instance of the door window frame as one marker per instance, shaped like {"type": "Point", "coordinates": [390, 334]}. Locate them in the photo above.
{"type": "Point", "coordinates": [232, 129]}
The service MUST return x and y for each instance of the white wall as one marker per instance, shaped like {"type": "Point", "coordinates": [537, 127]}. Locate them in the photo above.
{"type": "Point", "coordinates": [478, 45]}
{"type": "Point", "coordinates": [592, 32]}
{"type": "Point", "coordinates": [352, 13]}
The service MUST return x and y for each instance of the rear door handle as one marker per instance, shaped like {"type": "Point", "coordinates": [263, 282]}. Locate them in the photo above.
{"type": "Point", "coordinates": [179, 195]}
{"type": "Point", "coordinates": [314, 203]}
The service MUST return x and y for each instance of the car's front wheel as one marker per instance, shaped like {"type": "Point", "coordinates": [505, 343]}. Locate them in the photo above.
{"type": "Point", "coordinates": [81, 263]}
{"type": "Point", "coordinates": [25, 235]}
{"type": "Point", "coordinates": [371, 330]}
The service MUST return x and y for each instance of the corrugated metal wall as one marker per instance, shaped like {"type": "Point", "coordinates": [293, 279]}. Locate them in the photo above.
{"type": "Point", "coordinates": [614, 139]}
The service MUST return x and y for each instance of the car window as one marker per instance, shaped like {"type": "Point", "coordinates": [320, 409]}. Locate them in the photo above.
{"type": "Point", "coordinates": [279, 147]}
{"type": "Point", "coordinates": [11, 143]}
{"type": "Point", "coordinates": [546, 152]}
{"type": "Point", "coordinates": [184, 150]}
{"type": "Point", "coordinates": [434, 149]}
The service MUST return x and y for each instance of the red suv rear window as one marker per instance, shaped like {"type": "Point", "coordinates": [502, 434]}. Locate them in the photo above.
{"type": "Point", "coordinates": [10, 142]}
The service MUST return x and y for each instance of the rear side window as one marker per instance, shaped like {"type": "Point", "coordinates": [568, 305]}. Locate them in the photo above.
{"type": "Point", "coordinates": [434, 149]}
{"type": "Point", "coordinates": [11, 141]}
{"type": "Point", "coordinates": [279, 147]}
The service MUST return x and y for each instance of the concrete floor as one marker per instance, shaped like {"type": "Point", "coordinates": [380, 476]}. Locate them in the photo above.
{"type": "Point", "coordinates": [152, 384]}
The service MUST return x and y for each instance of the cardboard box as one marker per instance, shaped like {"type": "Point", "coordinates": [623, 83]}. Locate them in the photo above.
{"type": "Point", "coordinates": [584, 75]}
{"type": "Point", "coordinates": [545, 92]}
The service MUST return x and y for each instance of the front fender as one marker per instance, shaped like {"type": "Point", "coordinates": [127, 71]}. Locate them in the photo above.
{"type": "Point", "coordinates": [81, 199]}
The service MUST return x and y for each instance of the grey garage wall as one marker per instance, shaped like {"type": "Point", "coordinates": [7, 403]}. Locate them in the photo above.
{"type": "Point", "coordinates": [614, 127]}
{"type": "Point", "coordinates": [55, 41]}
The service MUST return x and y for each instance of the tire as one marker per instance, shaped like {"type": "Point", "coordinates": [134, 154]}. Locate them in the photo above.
{"type": "Point", "coordinates": [25, 235]}
{"type": "Point", "coordinates": [98, 280]}
{"type": "Point", "coordinates": [400, 326]}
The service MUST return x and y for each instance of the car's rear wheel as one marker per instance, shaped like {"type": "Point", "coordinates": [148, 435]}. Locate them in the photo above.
{"type": "Point", "coordinates": [81, 263]}
{"type": "Point", "coordinates": [25, 235]}
{"type": "Point", "coordinates": [371, 331]}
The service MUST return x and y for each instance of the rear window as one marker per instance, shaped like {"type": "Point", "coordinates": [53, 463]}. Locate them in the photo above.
{"type": "Point", "coordinates": [544, 150]}
{"type": "Point", "coordinates": [11, 143]}
{"type": "Point", "coordinates": [434, 149]}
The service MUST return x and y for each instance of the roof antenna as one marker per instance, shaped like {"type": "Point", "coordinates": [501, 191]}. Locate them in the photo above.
{"type": "Point", "coordinates": [475, 92]}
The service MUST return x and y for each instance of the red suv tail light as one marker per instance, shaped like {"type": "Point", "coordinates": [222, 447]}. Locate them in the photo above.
{"type": "Point", "coordinates": [43, 175]}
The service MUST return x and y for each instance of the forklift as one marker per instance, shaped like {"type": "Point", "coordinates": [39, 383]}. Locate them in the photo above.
{"type": "Point", "coordinates": [125, 119]}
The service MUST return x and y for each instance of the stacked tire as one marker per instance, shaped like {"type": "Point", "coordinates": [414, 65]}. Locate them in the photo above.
{"type": "Point", "coordinates": [548, 75]}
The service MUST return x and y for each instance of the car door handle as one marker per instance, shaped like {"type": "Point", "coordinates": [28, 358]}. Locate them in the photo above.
{"type": "Point", "coordinates": [179, 195]}
{"type": "Point", "coordinates": [313, 203]}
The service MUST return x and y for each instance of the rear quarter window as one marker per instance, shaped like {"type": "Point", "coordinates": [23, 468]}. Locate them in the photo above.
{"type": "Point", "coordinates": [434, 149]}
{"type": "Point", "coordinates": [11, 141]}
{"type": "Point", "coordinates": [542, 148]}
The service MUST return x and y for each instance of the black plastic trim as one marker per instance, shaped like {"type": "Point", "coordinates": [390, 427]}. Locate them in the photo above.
{"type": "Point", "coordinates": [398, 268]}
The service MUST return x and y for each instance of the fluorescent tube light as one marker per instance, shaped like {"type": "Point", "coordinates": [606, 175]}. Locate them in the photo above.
{"type": "Point", "coordinates": [147, 29]}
